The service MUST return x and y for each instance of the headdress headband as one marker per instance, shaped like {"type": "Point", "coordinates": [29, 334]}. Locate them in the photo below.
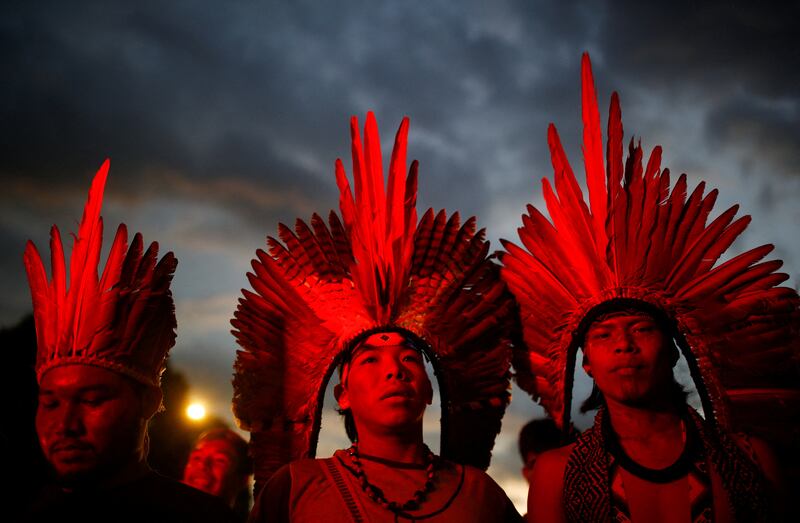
{"type": "Point", "coordinates": [638, 242]}
{"type": "Point", "coordinates": [123, 321]}
{"type": "Point", "coordinates": [323, 288]}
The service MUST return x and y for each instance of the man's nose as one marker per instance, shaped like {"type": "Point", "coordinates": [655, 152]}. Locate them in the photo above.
{"type": "Point", "coordinates": [69, 422]}
{"type": "Point", "coordinates": [207, 462]}
{"type": "Point", "coordinates": [625, 343]}
{"type": "Point", "coordinates": [396, 370]}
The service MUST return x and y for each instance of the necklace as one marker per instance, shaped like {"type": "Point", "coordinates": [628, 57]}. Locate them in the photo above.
{"type": "Point", "coordinates": [377, 495]}
{"type": "Point", "coordinates": [670, 473]}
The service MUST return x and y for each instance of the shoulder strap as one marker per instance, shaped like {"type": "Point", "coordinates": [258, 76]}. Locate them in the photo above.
{"type": "Point", "coordinates": [587, 484]}
{"type": "Point", "coordinates": [335, 476]}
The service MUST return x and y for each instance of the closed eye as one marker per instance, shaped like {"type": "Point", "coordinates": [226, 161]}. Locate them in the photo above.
{"type": "Point", "coordinates": [48, 405]}
{"type": "Point", "coordinates": [94, 401]}
{"type": "Point", "coordinates": [599, 335]}
{"type": "Point", "coordinates": [644, 328]}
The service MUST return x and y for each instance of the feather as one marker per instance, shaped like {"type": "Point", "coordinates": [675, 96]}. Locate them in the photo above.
{"type": "Point", "coordinates": [687, 264]}
{"type": "Point", "coordinates": [118, 320]}
{"type": "Point", "coordinates": [593, 151]}
{"type": "Point", "coordinates": [723, 274]}
{"type": "Point", "coordinates": [37, 279]}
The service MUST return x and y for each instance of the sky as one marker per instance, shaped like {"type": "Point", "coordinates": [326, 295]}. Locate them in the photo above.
{"type": "Point", "coordinates": [223, 119]}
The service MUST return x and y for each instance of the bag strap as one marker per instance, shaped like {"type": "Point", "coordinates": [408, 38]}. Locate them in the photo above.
{"type": "Point", "coordinates": [335, 476]}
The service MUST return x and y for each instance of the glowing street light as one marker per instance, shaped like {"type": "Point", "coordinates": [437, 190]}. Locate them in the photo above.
{"type": "Point", "coordinates": [196, 411]}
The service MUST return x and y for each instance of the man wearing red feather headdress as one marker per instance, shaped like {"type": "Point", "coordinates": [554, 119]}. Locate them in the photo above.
{"type": "Point", "coordinates": [375, 296]}
{"type": "Point", "coordinates": [631, 279]}
{"type": "Point", "coordinates": [102, 346]}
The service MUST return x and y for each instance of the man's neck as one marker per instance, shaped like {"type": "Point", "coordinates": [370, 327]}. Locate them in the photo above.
{"type": "Point", "coordinates": [128, 473]}
{"type": "Point", "coordinates": [651, 435]}
{"type": "Point", "coordinates": [402, 447]}
{"type": "Point", "coordinates": [642, 422]}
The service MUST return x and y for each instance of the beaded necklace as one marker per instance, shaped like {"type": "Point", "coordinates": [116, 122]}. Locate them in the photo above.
{"type": "Point", "coordinates": [377, 495]}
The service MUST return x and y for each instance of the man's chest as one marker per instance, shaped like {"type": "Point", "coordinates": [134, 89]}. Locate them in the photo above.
{"type": "Point", "coordinates": [686, 499]}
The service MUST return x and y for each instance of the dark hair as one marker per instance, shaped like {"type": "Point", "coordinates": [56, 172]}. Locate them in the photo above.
{"type": "Point", "coordinates": [347, 414]}
{"type": "Point", "coordinates": [349, 424]}
{"type": "Point", "coordinates": [539, 435]}
{"type": "Point", "coordinates": [238, 443]}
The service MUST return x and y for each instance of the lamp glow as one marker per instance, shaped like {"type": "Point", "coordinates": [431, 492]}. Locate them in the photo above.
{"type": "Point", "coordinates": [196, 411]}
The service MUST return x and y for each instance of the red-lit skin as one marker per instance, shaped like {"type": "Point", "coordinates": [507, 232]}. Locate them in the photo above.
{"type": "Point", "coordinates": [631, 360]}
{"type": "Point", "coordinates": [91, 424]}
{"type": "Point", "coordinates": [213, 467]}
{"type": "Point", "coordinates": [387, 390]}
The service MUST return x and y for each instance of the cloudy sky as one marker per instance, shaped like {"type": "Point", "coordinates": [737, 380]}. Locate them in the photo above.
{"type": "Point", "coordinates": [222, 119]}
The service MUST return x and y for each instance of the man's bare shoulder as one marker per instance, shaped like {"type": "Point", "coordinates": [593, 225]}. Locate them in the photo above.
{"type": "Point", "coordinates": [547, 483]}
{"type": "Point", "coordinates": [760, 452]}
{"type": "Point", "coordinates": [555, 459]}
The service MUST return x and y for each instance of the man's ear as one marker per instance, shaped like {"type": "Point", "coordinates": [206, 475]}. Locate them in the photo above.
{"type": "Point", "coordinates": [340, 393]}
{"type": "Point", "coordinates": [586, 366]}
{"type": "Point", "coordinates": [151, 401]}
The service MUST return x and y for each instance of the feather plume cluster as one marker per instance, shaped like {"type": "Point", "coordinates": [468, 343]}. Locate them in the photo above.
{"type": "Point", "coordinates": [323, 286]}
{"type": "Point", "coordinates": [123, 320]}
{"type": "Point", "coordinates": [640, 239]}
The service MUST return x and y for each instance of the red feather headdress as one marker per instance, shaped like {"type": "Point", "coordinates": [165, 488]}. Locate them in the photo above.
{"type": "Point", "coordinates": [640, 242]}
{"type": "Point", "coordinates": [324, 287]}
{"type": "Point", "coordinates": [123, 321]}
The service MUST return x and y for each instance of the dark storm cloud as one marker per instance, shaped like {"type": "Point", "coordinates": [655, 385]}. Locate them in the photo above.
{"type": "Point", "coordinates": [709, 46]}
{"type": "Point", "coordinates": [16, 298]}
{"type": "Point", "coordinates": [218, 93]}
{"type": "Point", "coordinates": [246, 107]}
{"type": "Point", "coordinates": [766, 132]}
{"type": "Point", "coordinates": [738, 62]}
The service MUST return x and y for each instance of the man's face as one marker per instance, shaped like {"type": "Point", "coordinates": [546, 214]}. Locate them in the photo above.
{"type": "Point", "coordinates": [385, 387]}
{"type": "Point", "coordinates": [628, 356]}
{"type": "Point", "coordinates": [90, 422]}
{"type": "Point", "coordinates": [213, 467]}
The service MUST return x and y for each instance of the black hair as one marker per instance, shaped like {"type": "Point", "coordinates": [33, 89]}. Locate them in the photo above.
{"type": "Point", "coordinates": [349, 424]}
{"type": "Point", "coordinates": [540, 435]}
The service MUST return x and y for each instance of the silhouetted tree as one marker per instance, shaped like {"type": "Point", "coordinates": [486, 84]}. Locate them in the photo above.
{"type": "Point", "coordinates": [26, 469]}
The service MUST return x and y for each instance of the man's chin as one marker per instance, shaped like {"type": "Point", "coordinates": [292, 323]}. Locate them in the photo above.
{"type": "Point", "coordinates": [76, 474]}
{"type": "Point", "coordinates": [203, 485]}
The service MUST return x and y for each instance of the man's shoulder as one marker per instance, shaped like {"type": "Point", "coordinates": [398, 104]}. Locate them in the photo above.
{"type": "Point", "coordinates": [482, 491]}
{"type": "Point", "coordinates": [475, 474]}
{"type": "Point", "coordinates": [477, 481]}
{"type": "Point", "coordinates": [150, 498]}
{"type": "Point", "coordinates": [545, 497]}
{"type": "Point", "coordinates": [555, 459]}
{"type": "Point", "coordinates": [173, 497]}
{"type": "Point", "coordinates": [551, 466]}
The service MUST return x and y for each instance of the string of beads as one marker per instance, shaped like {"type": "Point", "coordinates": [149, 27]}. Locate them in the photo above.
{"type": "Point", "coordinates": [377, 495]}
